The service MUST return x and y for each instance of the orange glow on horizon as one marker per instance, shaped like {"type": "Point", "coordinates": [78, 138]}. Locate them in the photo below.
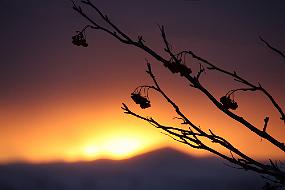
{"type": "Point", "coordinates": [62, 103]}
{"type": "Point", "coordinates": [77, 131]}
{"type": "Point", "coordinates": [50, 137]}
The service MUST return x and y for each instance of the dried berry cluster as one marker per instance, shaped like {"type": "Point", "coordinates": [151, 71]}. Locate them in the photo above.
{"type": "Point", "coordinates": [79, 40]}
{"type": "Point", "coordinates": [141, 100]}
{"type": "Point", "coordinates": [176, 67]}
{"type": "Point", "coordinates": [228, 103]}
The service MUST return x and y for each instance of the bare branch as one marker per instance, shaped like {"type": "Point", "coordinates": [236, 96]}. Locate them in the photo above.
{"type": "Point", "coordinates": [193, 135]}
{"type": "Point", "coordinates": [272, 48]}
{"type": "Point", "coordinates": [266, 119]}
{"type": "Point", "coordinates": [188, 135]}
{"type": "Point", "coordinates": [241, 89]}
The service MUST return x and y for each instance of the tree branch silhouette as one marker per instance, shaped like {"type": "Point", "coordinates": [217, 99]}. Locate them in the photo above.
{"type": "Point", "coordinates": [192, 137]}
{"type": "Point", "coordinates": [272, 48]}
{"type": "Point", "coordinates": [189, 133]}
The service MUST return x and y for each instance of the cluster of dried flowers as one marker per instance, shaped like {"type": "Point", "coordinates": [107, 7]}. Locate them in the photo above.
{"type": "Point", "coordinates": [79, 39]}
{"type": "Point", "coordinates": [141, 100]}
{"type": "Point", "coordinates": [176, 67]}
{"type": "Point", "coordinates": [228, 103]}
{"type": "Point", "coordinates": [140, 96]}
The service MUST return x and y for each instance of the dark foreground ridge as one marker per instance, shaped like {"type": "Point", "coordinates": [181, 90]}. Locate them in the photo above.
{"type": "Point", "coordinates": [165, 169]}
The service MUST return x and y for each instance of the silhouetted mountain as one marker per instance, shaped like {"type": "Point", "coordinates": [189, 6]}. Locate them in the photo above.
{"type": "Point", "coordinates": [165, 169]}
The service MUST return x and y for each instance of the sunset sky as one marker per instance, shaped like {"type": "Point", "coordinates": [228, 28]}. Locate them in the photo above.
{"type": "Point", "coordinates": [59, 102]}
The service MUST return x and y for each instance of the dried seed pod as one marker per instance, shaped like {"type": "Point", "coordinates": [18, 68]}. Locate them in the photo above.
{"type": "Point", "coordinates": [136, 98]}
{"type": "Point", "coordinates": [234, 105]}
{"type": "Point", "coordinates": [228, 103]}
{"type": "Point", "coordinates": [225, 101]}
{"type": "Point", "coordinates": [142, 101]}
{"type": "Point", "coordinates": [184, 70]}
{"type": "Point", "coordinates": [79, 40]}
{"type": "Point", "coordinates": [145, 104]}
{"type": "Point", "coordinates": [172, 67]}
{"type": "Point", "coordinates": [176, 67]}
{"type": "Point", "coordinates": [84, 44]}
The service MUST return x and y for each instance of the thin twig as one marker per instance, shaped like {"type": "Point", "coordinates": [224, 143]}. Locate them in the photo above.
{"type": "Point", "coordinates": [272, 48]}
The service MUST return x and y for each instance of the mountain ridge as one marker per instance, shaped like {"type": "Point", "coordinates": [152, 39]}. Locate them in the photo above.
{"type": "Point", "coordinates": [163, 169]}
{"type": "Point", "coordinates": [161, 152]}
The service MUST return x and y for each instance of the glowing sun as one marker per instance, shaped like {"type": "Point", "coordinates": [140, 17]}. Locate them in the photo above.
{"type": "Point", "coordinates": [118, 148]}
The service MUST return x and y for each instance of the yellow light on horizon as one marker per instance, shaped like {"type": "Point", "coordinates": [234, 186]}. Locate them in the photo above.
{"type": "Point", "coordinates": [90, 152]}
{"type": "Point", "coordinates": [122, 147]}
{"type": "Point", "coordinates": [114, 148]}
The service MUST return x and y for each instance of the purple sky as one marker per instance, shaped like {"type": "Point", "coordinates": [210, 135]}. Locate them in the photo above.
{"type": "Point", "coordinates": [36, 54]}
